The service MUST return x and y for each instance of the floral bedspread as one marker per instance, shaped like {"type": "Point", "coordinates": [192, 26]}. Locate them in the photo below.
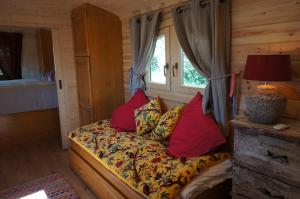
{"type": "Point", "coordinates": [140, 162]}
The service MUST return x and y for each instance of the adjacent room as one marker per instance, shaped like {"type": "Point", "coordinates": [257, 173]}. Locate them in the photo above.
{"type": "Point", "coordinates": [27, 85]}
{"type": "Point", "coordinates": [127, 99]}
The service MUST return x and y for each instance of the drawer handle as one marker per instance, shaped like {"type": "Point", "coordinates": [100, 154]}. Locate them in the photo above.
{"type": "Point", "coordinates": [282, 158]}
{"type": "Point", "coordinates": [269, 194]}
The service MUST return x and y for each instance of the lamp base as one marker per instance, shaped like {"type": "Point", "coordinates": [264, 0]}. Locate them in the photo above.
{"type": "Point", "coordinates": [265, 108]}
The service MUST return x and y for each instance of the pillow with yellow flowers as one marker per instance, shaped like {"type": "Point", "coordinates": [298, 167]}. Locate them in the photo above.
{"type": "Point", "coordinates": [147, 117]}
{"type": "Point", "coordinates": [166, 124]}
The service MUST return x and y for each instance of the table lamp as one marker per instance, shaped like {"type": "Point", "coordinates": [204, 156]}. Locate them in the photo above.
{"type": "Point", "coordinates": [267, 103]}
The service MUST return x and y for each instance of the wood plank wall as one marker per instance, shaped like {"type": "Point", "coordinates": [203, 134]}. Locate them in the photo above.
{"type": "Point", "coordinates": [258, 27]}
{"type": "Point", "coordinates": [267, 27]}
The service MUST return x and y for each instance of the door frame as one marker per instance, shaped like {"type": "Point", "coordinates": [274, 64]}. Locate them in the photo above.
{"type": "Point", "coordinates": [64, 67]}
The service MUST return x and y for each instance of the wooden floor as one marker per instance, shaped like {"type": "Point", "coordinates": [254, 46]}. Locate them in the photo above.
{"type": "Point", "coordinates": [23, 163]}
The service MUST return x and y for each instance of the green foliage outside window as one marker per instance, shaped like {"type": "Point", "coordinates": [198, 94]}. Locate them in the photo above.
{"type": "Point", "coordinates": [154, 64]}
{"type": "Point", "coordinates": [190, 75]}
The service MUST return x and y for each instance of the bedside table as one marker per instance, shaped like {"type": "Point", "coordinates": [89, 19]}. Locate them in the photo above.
{"type": "Point", "coordinates": [266, 161]}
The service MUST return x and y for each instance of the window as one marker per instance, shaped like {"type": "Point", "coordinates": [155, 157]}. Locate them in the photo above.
{"type": "Point", "coordinates": [158, 61]}
{"type": "Point", "coordinates": [190, 76]}
{"type": "Point", "coordinates": [157, 74]}
{"type": "Point", "coordinates": [170, 70]}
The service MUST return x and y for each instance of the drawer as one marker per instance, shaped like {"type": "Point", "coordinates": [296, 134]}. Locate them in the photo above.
{"type": "Point", "coordinates": [101, 187]}
{"type": "Point", "coordinates": [249, 184]}
{"type": "Point", "coordinates": [271, 156]}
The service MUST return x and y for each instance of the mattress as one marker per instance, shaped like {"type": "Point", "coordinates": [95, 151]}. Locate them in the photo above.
{"type": "Point", "coordinates": [143, 164]}
{"type": "Point", "coordinates": [27, 95]}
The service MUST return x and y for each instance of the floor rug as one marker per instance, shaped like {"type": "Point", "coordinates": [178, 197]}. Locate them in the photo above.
{"type": "Point", "coordinates": [49, 187]}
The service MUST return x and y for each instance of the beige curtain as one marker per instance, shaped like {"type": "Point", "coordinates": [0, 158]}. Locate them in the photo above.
{"type": "Point", "coordinates": [203, 30]}
{"type": "Point", "coordinates": [143, 31]}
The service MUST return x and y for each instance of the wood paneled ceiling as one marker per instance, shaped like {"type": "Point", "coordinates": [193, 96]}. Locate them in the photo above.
{"type": "Point", "coordinates": [122, 8]}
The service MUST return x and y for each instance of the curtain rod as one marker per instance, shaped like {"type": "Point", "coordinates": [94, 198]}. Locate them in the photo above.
{"type": "Point", "coordinates": [202, 4]}
{"type": "Point", "coordinates": [184, 5]}
{"type": "Point", "coordinates": [157, 9]}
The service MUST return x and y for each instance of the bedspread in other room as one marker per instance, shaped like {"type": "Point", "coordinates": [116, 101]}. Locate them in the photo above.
{"type": "Point", "coordinates": [27, 95]}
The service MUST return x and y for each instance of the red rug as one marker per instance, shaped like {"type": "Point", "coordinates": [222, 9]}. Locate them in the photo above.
{"type": "Point", "coordinates": [49, 187]}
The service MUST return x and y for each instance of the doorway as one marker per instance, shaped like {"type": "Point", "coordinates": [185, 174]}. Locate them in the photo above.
{"type": "Point", "coordinates": [29, 100]}
{"type": "Point", "coordinates": [64, 70]}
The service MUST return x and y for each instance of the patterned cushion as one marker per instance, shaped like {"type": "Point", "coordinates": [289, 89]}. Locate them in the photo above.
{"type": "Point", "coordinates": [166, 124]}
{"type": "Point", "coordinates": [147, 117]}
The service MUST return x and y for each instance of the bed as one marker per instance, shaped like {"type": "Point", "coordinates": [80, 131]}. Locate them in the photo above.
{"type": "Point", "coordinates": [27, 95]}
{"type": "Point", "coordinates": [28, 111]}
{"type": "Point", "coordinates": [125, 165]}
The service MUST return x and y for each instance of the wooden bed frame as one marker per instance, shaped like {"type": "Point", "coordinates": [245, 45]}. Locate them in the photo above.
{"type": "Point", "coordinates": [24, 127]}
{"type": "Point", "coordinates": [106, 185]}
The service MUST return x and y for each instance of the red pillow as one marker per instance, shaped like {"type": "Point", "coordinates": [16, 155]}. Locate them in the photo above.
{"type": "Point", "coordinates": [195, 134]}
{"type": "Point", "coordinates": [123, 116]}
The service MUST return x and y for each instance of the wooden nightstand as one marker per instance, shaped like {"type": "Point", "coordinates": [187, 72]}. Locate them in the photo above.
{"type": "Point", "coordinates": [266, 161]}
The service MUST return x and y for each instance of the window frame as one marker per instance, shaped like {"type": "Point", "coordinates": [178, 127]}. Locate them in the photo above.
{"type": "Point", "coordinates": [167, 85]}
{"type": "Point", "coordinates": [174, 87]}
{"type": "Point", "coordinates": [177, 85]}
